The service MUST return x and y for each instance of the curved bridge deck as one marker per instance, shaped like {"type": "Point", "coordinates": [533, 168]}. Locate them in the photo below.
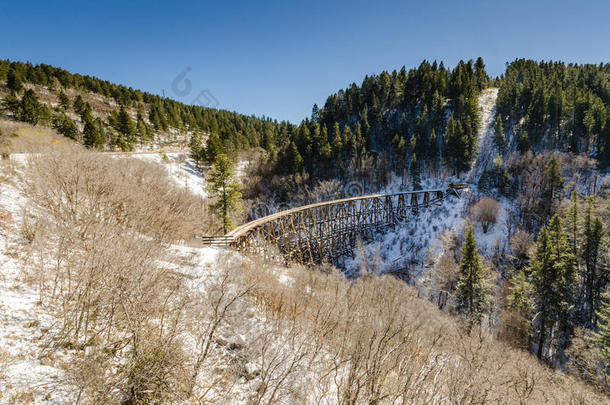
{"type": "Point", "coordinates": [329, 230]}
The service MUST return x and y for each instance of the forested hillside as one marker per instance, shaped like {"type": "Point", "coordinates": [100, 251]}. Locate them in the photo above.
{"type": "Point", "coordinates": [555, 105]}
{"type": "Point", "coordinates": [390, 122]}
{"type": "Point", "coordinates": [121, 117]}
{"type": "Point", "coordinates": [393, 121]}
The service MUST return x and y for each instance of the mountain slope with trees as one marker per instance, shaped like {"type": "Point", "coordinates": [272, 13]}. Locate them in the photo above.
{"type": "Point", "coordinates": [554, 105]}
{"type": "Point", "coordinates": [394, 121]}
{"type": "Point", "coordinates": [113, 116]}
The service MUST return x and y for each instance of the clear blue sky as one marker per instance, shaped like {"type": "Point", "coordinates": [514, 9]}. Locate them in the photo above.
{"type": "Point", "coordinates": [278, 58]}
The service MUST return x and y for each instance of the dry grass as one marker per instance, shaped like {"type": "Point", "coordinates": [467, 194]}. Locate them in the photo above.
{"type": "Point", "coordinates": [88, 189]}
{"type": "Point", "coordinates": [27, 138]}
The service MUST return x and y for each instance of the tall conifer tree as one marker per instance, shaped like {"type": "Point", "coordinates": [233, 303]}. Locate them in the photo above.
{"type": "Point", "coordinates": [472, 294]}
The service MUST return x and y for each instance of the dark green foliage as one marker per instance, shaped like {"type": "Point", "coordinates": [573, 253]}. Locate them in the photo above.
{"type": "Point", "coordinates": [394, 117]}
{"type": "Point", "coordinates": [553, 276]}
{"type": "Point", "coordinates": [64, 101]}
{"type": "Point", "coordinates": [213, 148]}
{"type": "Point", "coordinates": [552, 183]}
{"type": "Point", "coordinates": [601, 339]}
{"type": "Point", "coordinates": [234, 131]}
{"type": "Point", "coordinates": [45, 115]}
{"type": "Point", "coordinates": [523, 142]}
{"type": "Point", "coordinates": [93, 135]}
{"type": "Point", "coordinates": [294, 159]}
{"type": "Point", "coordinates": [197, 149]}
{"type": "Point", "coordinates": [79, 104]}
{"type": "Point", "coordinates": [519, 302]}
{"type": "Point", "coordinates": [29, 108]}
{"type": "Point", "coordinates": [499, 138]}
{"type": "Point", "coordinates": [13, 80]}
{"type": "Point", "coordinates": [65, 126]}
{"type": "Point", "coordinates": [472, 294]}
{"type": "Point", "coordinates": [11, 104]}
{"type": "Point", "coordinates": [594, 277]}
{"type": "Point", "coordinates": [564, 106]}
{"type": "Point", "coordinates": [225, 190]}
{"type": "Point", "coordinates": [459, 146]}
{"type": "Point", "coordinates": [126, 129]}
{"type": "Point", "coordinates": [143, 132]}
{"type": "Point", "coordinates": [573, 222]}
{"type": "Point", "coordinates": [481, 75]}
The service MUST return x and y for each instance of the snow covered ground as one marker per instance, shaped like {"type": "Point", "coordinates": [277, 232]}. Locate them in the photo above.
{"type": "Point", "coordinates": [417, 241]}
{"type": "Point", "coordinates": [25, 376]}
{"type": "Point", "coordinates": [180, 168]}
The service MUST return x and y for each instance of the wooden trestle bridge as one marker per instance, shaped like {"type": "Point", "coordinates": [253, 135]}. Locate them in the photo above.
{"type": "Point", "coordinates": [329, 230]}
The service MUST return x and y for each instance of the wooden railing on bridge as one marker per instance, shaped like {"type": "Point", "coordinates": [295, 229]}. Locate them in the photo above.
{"type": "Point", "coordinates": [328, 230]}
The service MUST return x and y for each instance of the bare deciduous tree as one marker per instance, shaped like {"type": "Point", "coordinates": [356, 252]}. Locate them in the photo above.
{"type": "Point", "coordinates": [486, 212]}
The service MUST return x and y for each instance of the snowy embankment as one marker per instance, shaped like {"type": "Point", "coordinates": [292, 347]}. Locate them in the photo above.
{"type": "Point", "coordinates": [180, 168]}
{"type": "Point", "coordinates": [416, 242]}
{"type": "Point", "coordinates": [25, 377]}
{"type": "Point", "coordinates": [29, 372]}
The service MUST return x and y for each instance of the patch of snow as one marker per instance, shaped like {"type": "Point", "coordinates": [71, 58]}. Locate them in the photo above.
{"type": "Point", "coordinates": [180, 168]}
{"type": "Point", "coordinates": [23, 323]}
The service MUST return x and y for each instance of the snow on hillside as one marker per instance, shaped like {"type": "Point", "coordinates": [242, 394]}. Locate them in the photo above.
{"type": "Point", "coordinates": [180, 168]}
{"type": "Point", "coordinates": [25, 377]}
{"type": "Point", "coordinates": [411, 245]}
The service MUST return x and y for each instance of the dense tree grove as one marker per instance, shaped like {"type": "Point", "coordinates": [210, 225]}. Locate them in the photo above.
{"type": "Point", "coordinates": [401, 118]}
{"type": "Point", "coordinates": [554, 105]}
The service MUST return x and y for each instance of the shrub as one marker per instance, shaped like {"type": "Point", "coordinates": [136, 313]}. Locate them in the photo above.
{"type": "Point", "coordinates": [486, 212]}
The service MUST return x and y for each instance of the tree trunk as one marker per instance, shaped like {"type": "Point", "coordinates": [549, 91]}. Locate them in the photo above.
{"type": "Point", "coordinates": [542, 337]}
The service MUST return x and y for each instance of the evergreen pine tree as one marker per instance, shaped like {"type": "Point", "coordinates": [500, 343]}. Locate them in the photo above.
{"type": "Point", "coordinates": [604, 140]}
{"type": "Point", "coordinates": [226, 191]}
{"type": "Point", "coordinates": [523, 142]}
{"type": "Point", "coordinates": [499, 138]}
{"type": "Point", "coordinates": [519, 302]}
{"type": "Point", "coordinates": [294, 159]}
{"type": "Point", "coordinates": [14, 81]}
{"type": "Point", "coordinates": [196, 148]}
{"type": "Point", "coordinates": [65, 126]}
{"type": "Point", "coordinates": [553, 274]}
{"type": "Point", "coordinates": [593, 233]}
{"type": "Point", "coordinates": [572, 222]}
{"type": "Point", "coordinates": [64, 101]}
{"type": "Point", "coordinates": [336, 141]}
{"type": "Point", "coordinates": [552, 183]}
{"type": "Point", "coordinates": [29, 107]}
{"type": "Point", "coordinates": [12, 104]}
{"type": "Point", "coordinates": [213, 148]}
{"type": "Point", "coordinates": [472, 294]}
{"type": "Point", "coordinates": [79, 104]}
{"type": "Point", "coordinates": [142, 129]}
{"type": "Point", "coordinates": [601, 338]}
{"type": "Point", "coordinates": [126, 129]}
{"type": "Point", "coordinates": [481, 75]}
{"type": "Point", "coordinates": [92, 136]}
